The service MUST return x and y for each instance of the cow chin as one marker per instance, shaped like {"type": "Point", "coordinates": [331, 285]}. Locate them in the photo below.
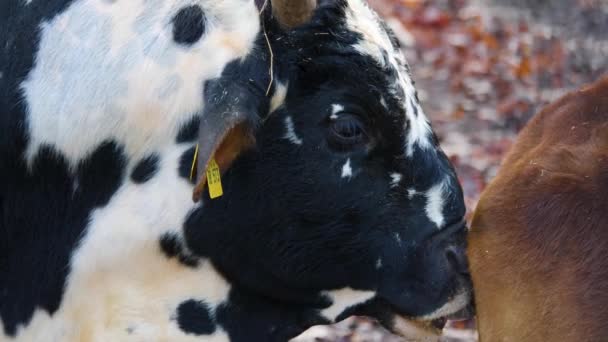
{"type": "Point", "coordinates": [422, 328]}
{"type": "Point", "coordinates": [413, 330]}
{"type": "Point", "coordinates": [430, 326]}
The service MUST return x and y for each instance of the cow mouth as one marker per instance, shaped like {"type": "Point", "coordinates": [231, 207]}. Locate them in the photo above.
{"type": "Point", "coordinates": [464, 314]}
{"type": "Point", "coordinates": [412, 328]}
{"type": "Point", "coordinates": [427, 330]}
{"type": "Point", "coordinates": [422, 328]}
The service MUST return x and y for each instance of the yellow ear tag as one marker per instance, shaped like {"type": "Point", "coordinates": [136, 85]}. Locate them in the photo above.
{"type": "Point", "coordinates": [214, 180]}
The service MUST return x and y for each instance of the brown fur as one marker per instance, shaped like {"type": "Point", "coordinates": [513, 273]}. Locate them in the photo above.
{"type": "Point", "coordinates": [538, 246]}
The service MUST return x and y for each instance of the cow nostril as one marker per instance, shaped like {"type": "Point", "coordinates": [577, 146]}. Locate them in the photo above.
{"type": "Point", "coordinates": [457, 259]}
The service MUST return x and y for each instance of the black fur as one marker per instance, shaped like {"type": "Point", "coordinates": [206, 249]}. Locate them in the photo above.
{"type": "Point", "coordinates": [185, 165]}
{"type": "Point", "coordinates": [188, 132]}
{"type": "Point", "coordinates": [194, 317]}
{"type": "Point", "coordinates": [52, 203]}
{"type": "Point", "coordinates": [172, 246]}
{"type": "Point", "coordinates": [189, 25]}
{"type": "Point", "coordinates": [145, 169]}
{"type": "Point", "coordinates": [247, 316]}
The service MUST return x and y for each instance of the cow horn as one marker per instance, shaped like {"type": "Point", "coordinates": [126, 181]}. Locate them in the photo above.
{"type": "Point", "coordinates": [291, 13]}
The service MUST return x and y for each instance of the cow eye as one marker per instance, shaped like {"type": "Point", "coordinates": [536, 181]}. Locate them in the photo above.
{"type": "Point", "coordinates": [347, 131]}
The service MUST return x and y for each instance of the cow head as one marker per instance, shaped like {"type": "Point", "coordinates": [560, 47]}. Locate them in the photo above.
{"type": "Point", "coordinates": [334, 182]}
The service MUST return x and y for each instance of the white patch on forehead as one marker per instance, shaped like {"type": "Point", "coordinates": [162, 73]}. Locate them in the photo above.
{"type": "Point", "coordinates": [347, 170]}
{"type": "Point", "coordinates": [112, 71]}
{"type": "Point", "coordinates": [377, 44]}
{"type": "Point", "coordinates": [379, 263]}
{"type": "Point", "coordinates": [435, 203]}
{"type": "Point", "coordinates": [362, 19]}
{"type": "Point", "coordinates": [343, 299]}
{"type": "Point", "coordinates": [457, 303]}
{"type": "Point", "coordinates": [335, 109]}
{"type": "Point", "coordinates": [291, 132]}
{"type": "Point", "coordinates": [395, 179]}
{"type": "Point", "coordinates": [278, 98]}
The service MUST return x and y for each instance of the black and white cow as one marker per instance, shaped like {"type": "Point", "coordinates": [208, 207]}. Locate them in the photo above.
{"type": "Point", "coordinates": [337, 198]}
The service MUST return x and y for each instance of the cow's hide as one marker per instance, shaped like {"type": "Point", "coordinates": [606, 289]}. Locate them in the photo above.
{"type": "Point", "coordinates": [102, 100]}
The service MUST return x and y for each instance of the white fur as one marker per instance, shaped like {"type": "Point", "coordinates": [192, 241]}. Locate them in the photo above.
{"type": "Point", "coordinates": [344, 298]}
{"type": "Point", "coordinates": [347, 170]}
{"type": "Point", "coordinates": [395, 179]}
{"type": "Point", "coordinates": [379, 263]}
{"type": "Point", "coordinates": [290, 133]}
{"type": "Point", "coordinates": [459, 302]}
{"type": "Point", "coordinates": [335, 109]}
{"type": "Point", "coordinates": [278, 98]}
{"type": "Point", "coordinates": [435, 202]}
{"type": "Point", "coordinates": [411, 193]}
{"type": "Point", "coordinates": [111, 70]}
{"type": "Point", "coordinates": [360, 18]}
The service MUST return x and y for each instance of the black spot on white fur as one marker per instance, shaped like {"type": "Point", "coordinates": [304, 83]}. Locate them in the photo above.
{"type": "Point", "coordinates": [185, 164]}
{"type": "Point", "coordinates": [188, 25]}
{"type": "Point", "coordinates": [194, 317]}
{"type": "Point", "coordinates": [189, 131]}
{"type": "Point", "coordinates": [145, 169]}
{"type": "Point", "coordinates": [172, 246]}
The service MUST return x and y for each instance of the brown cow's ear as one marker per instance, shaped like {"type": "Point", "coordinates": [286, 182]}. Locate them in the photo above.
{"type": "Point", "coordinates": [227, 127]}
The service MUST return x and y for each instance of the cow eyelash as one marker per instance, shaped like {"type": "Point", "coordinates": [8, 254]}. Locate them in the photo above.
{"type": "Point", "coordinates": [347, 131]}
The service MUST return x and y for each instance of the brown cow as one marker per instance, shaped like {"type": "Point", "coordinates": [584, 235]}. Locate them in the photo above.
{"type": "Point", "coordinates": [538, 246]}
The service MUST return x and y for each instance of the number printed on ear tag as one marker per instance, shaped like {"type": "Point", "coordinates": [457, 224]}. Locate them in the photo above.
{"type": "Point", "coordinates": [214, 180]}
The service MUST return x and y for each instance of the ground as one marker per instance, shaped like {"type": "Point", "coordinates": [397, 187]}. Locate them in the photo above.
{"type": "Point", "coordinates": [483, 69]}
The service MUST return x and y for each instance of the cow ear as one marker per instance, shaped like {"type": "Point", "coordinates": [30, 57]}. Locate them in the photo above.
{"type": "Point", "coordinates": [227, 128]}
